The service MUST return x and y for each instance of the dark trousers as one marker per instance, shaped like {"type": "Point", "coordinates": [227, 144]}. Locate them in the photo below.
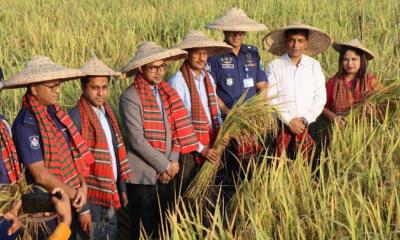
{"type": "Point", "coordinates": [148, 204]}
{"type": "Point", "coordinates": [188, 171]}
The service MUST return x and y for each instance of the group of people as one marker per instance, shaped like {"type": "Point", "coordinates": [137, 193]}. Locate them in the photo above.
{"type": "Point", "coordinates": [170, 125]}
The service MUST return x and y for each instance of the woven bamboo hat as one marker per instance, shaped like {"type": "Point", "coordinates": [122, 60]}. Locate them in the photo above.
{"type": "Point", "coordinates": [149, 52]}
{"type": "Point", "coordinates": [338, 46]}
{"type": "Point", "coordinates": [95, 67]}
{"type": "Point", "coordinates": [318, 41]}
{"type": "Point", "coordinates": [236, 20]}
{"type": "Point", "coordinates": [41, 69]}
{"type": "Point", "coordinates": [197, 39]}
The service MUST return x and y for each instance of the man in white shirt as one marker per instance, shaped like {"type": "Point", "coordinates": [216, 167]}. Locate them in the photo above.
{"type": "Point", "coordinates": [298, 82]}
{"type": "Point", "coordinates": [196, 87]}
{"type": "Point", "coordinates": [99, 128]}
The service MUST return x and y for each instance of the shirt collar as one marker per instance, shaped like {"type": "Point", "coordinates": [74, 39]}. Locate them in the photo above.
{"type": "Point", "coordinates": [200, 77]}
{"type": "Point", "coordinates": [99, 111]}
{"type": "Point", "coordinates": [302, 60]}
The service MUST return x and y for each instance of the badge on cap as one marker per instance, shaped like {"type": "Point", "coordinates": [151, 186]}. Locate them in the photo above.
{"type": "Point", "coordinates": [35, 144]}
{"type": "Point", "coordinates": [229, 82]}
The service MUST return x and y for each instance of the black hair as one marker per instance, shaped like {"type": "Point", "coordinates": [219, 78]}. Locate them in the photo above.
{"type": "Point", "coordinates": [290, 32]}
{"type": "Point", "coordinates": [85, 81]}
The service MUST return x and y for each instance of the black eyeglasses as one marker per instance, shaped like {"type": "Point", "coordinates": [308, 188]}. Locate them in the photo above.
{"type": "Point", "coordinates": [154, 69]}
{"type": "Point", "coordinates": [53, 87]}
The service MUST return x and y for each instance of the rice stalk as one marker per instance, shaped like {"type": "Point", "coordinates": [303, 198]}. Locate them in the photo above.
{"type": "Point", "coordinates": [253, 120]}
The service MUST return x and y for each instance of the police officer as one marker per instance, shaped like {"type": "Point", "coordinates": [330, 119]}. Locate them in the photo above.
{"type": "Point", "coordinates": [236, 73]}
{"type": "Point", "coordinates": [47, 141]}
{"type": "Point", "coordinates": [240, 70]}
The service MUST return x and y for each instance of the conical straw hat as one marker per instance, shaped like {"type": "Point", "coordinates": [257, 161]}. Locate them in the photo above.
{"type": "Point", "coordinates": [149, 52]}
{"type": "Point", "coordinates": [41, 69]}
{"type": "Point", "coordinates": [318, 41]}
{"type": "Point", "coordinates": [197, 39]}
{"type": "Point", "coordinates": [353, 44]}
{"type": "Point", "coordinates": [236, 20]}
{"type": "Point", "coordinates": [95, 67]}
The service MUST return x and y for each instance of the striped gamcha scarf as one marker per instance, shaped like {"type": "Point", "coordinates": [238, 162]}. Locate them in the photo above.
{"type": "Point", "coordinates": [9, 153]}
{"type": "Point", "coordinates": [102, 188]}
{"type": "Point", "coordinates": [303, 142]}
{"type": "Point", "coordinates": [183, 136]}
{"type": "Point", "coordinates": [59, 159]}
{"type": "Point", "coordinates": [205, 133]}
{"type": "Point", "coordinates": [344, 98]}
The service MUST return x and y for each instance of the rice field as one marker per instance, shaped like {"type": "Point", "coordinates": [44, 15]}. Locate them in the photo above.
{"type": "Point", "coordinates": [357, 194]}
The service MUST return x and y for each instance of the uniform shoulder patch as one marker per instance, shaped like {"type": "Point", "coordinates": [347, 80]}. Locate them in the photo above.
{"type": "Point", "coordinates": [34, 140]}
{"type": "Point", "coordinates": [262, 67]}
{"type": "Point", "coordinates": [252, 48]}
{"type": "Point", "coordinates": [207, 67]}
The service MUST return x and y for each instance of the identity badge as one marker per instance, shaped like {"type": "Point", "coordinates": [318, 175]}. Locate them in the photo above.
{"type": "Point", "coordinates": [229, 82]}
{"type": "Point", "coordinates": [228, 66]}
{"type": "Point", "coordinates": [248, 82]}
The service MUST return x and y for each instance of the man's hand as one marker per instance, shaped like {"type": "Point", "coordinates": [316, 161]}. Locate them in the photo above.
{"type": "Point", "coordinates": [341, 120]}
{"type": "Point", "coordinates": [173, 169]}
{"type": "Point", "coordinates": [297, 126]}
{"type": "Point", "coordinates": [12, 216]}
{"type": "Point", "coordinates": [80, 199]}
{"type": "Point", "coordinates": [211, 155]}
{"type": "Point", "coordinates": [369, 109]}
{"type": "Point", "coordinates": [124, 199]}
{"type": "Point", "coordinates": [86, 222]}
{"type": "Point", "coordinates": [164, 178]}
{"type": "Point", "coordinates": [63, 206]}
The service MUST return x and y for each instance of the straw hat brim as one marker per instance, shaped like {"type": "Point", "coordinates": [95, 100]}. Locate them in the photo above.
{"type": "Point", "coordinates": [20, 81]}
{"type": "Point", "coordinates": [213, 48]}
{"type": "Point", "coordinates": [338, 47]}
{"type": "Point", "coordinates": [168, 55]}
{"type": "Point", "coordinates": [238, 28]}
{"type": "Point", "coordinates": [105, 74]}
{"type": "Point", "coordinates": [318, 41]}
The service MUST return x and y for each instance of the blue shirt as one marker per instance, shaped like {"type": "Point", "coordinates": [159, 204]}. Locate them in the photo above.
{"type": "Point", "coordinates": [28, 140]}
{"type": "Point", "coordinates": [3, 170]}
{"type": "Point", "coordinates": [233, 74]}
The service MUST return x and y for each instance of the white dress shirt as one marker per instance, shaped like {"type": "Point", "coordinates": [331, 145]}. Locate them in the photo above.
{"type": "Point", "coordinates": [180, 86]}
{"type": "Point", "coordinates": [299, 89]}
{"type": "Point", "coordinates": [101, 114]}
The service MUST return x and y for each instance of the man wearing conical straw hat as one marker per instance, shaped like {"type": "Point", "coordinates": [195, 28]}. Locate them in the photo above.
{"type": "Point", "coordinates": [298, 82]}
{"type": "Point", "coordinates": [10, 171]}
{"type": "Point", "coordinates": [196, 87]}
{"type": "Point", "coordinates": [158, 128]}
{"type": "Point", "coordinates": [240, 70]}
{"type": "Point", "coordinates": [99, 128]}
{"type": "Point", "coordinates": [47, 141]}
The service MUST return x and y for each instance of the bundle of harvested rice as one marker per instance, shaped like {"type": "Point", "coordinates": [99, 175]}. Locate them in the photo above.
{"type": "Point", "coordinates": [252, 120]}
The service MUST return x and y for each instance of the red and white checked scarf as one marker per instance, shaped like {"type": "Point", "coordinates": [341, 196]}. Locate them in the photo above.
{"type": "Point", "coordinates": [183, 136]}
{"type": "Point", "coordinates": [102, 188]}
{"type": "Point", "coordinates": [58, 158]}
